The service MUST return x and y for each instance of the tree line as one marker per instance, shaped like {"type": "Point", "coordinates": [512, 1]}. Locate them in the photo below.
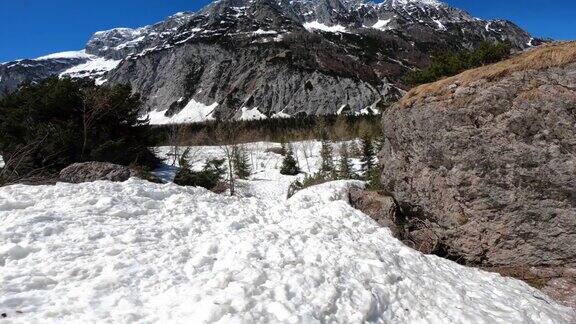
{"type": "Point", "coordinates": [296, 128]}
{"type": "Point", "coordinates": [446, 64]}
{"type": "Point", "coordinates": [336, 163]}
{"type": "Point", "coordinates": [219, 175]}
{"type": "Point", "coordinates": [47, 126]}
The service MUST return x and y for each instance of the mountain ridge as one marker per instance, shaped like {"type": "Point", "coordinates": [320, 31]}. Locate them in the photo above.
{"type": "Point", "coordinates": [311, 56]}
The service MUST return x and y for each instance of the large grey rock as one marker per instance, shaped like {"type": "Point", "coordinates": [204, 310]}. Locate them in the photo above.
{"type": "Point", "coordinates": [94, 171]}
{"type": "Point", "coordinates": [485, 162]}
{"type": "Point", "coordinates": [492, 165]}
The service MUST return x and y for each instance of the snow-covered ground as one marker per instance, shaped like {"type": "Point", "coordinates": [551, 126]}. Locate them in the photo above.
{"type": "Point", "coordinates": [150, 253]}
{"type": "Point", "coordinates": [265, 164]}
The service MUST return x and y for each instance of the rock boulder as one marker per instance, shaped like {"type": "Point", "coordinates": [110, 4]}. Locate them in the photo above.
{"type": "Point", "coordinates": [489, 158]}
{"type": "Point", "coordinates": [94, 171]}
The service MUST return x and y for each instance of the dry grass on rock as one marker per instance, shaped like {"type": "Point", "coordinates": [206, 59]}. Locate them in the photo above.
{"type": "Point", "coordinates": [544, 57]}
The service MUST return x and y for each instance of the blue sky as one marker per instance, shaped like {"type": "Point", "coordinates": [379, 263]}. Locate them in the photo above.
{"type": "Point", "coordinates": [31, 28]}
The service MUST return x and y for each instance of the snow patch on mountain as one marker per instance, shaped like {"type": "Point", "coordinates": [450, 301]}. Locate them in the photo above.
{"type": "Point", "coordinates": [264, 32]}
{"type": "Point", "coordinates": [382, 24]}
{"type": "Point", "coordinates": [121, 32]}
{"type": "Point", "coordinates": [281, 114]}
{"type": "Point", "coordinates": [404, 3]}
{"type": "Point", "coordinates": [193, 112]}
{"type": "Point", "coordinates": [315, 25]}
{"type": "Point", "coordinates": [439, 24]}
{"type": "Point", "coordinates": [251, 114]}
{"type": "Point", "coordinates": [94, 68]}
{"type": "Point", "coordinates": [130, 43]}
{"type": "Point", "coordinates": [66, 55]}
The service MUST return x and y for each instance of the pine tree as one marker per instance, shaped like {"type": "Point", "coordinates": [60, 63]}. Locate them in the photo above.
{"type": "Point", "coordinates": [379, 141]}
{"type": "Point", "coordinates": [289, 164]}
{"type": "Point", "coordinates": [345, 165]}
{"type": "Point", "coordinates": [327, 156]}
{"type": "Point", "coordinates": [368, 155]}
{"type": "Point", "coordinates": [283, 148]}
{"type": "Point", "coordinates": [183, 160]}
{"type": "Point", "coordinates": [241, 162]}
{"type": "Point", "coordinates": [209, 178]}
{"type": "Point", "coordinates": [51, 124]}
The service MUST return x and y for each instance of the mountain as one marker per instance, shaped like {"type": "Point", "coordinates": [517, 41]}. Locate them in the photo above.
{"type": "Point", "coordinates": [263, 58]}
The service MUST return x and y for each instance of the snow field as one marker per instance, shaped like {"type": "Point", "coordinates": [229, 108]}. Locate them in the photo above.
{"type": "Point", "coordinates": [138, 252]}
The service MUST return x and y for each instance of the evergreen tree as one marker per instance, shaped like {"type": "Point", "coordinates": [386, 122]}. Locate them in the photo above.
{"type": "Point", "coordinates": [183, 161]}
{"type": "Point", "coordinates": [379, 141]}
{"type": "Point", "coordinates": [51, 124]}
{"type": "Point", "coordinates": [345, 165]}
{"type": "Point", "coordinates": [241, 162]}
{"type": "Point", "coordinates": [447, 64]}
{"type": "Point", "coordinates": [283, 148]}
{"type": "Point", "coordinates": [289, 164]}
{"type": "Point", "coordinates": [216, 168]}
{"type": "Point", "coordinates": [373, 178]}
{"type": "Point", "coordinates": [368, 155]}
{"type": "Point", "coordinates": [327, 156]}
{"type": "Point", "coordinates": [209, 178]}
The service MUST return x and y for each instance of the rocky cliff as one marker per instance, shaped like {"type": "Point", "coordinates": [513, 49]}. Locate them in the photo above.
{"type": "Point", "coordinates": [486, 162]}
{"type": "Point", "coordinates": [239, 58]}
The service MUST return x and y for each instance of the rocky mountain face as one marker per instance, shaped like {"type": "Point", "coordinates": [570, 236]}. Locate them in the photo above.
{"type": "Point", "coordinates": [14, 73]}
{"type": "Point", "coordinates": [269, 58]}
{"type": "Point", "coordinates": [483, 165]}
